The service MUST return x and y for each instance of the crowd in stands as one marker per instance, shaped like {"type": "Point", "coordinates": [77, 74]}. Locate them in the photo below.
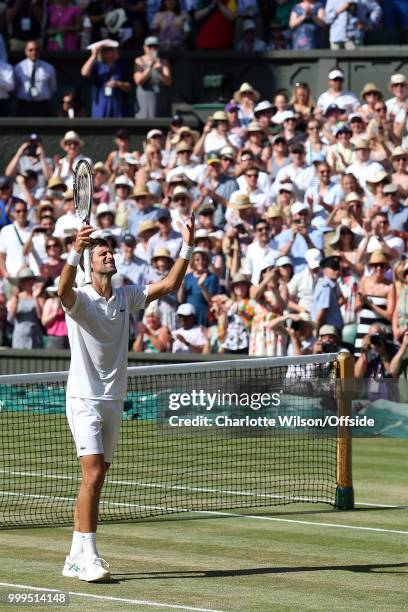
{"type": "Point", "coordinates": [244, 25]}
{"type": "Point", "coordinates": [302, 227]}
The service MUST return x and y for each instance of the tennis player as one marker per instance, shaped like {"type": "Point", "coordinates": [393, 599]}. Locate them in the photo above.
{"type": "Point", "coordinates": [98, 328]}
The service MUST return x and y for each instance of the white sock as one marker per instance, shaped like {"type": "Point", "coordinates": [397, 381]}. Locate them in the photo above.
{"type": "Point", "coordinates": [89, 545]}
{"type": "Point", "coordinates": [76, 546]}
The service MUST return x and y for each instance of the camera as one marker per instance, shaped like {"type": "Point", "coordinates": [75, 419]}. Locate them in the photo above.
{"type": "Point", "coordinates": [31, 149]}
{"type": "Point", "coordinates": [376, 339]}
{"type": "Point", "coordinates": [329, 347]}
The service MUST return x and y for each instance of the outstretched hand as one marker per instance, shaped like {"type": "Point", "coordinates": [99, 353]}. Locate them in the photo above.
{"type": "Point", "coordinates": [187, 230]}
{"type": "Point", "coordinates": [83, 239]}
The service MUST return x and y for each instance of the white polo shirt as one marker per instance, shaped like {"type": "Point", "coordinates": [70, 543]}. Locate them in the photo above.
{"type": "Point", "coordinates": [98, 331]}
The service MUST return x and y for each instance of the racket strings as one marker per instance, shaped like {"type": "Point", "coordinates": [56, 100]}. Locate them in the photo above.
{"type": "Point", "coordinates": [83, 192]}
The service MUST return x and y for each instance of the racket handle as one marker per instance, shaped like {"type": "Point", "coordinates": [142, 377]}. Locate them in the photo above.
{"type": "Point", "coordinates": [87, 266]}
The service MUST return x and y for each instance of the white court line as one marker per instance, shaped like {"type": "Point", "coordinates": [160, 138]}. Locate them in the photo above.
{"type": "Point", "coordinates": [137, 602]}
{"type": "Point", "coordinates": [220, 513]}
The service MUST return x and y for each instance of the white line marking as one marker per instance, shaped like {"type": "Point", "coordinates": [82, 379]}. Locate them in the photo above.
{"type": "Point", "coordinates": [137, 602]}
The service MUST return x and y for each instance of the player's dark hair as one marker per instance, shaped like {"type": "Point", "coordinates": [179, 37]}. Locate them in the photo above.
{"type": "Point", "coordinates": [95, 242]}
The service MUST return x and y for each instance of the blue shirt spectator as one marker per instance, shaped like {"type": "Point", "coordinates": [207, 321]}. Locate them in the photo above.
{"type": "Point", "coordinates": [325, 301]}
{"type": "Point", "coordinates": [348, 19]}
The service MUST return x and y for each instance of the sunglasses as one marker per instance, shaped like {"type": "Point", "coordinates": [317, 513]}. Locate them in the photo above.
{"type": "Point", "coordinates": [227, 159]}
{"type": "Point", "coordinates": [379, 109]}
{"type": "Point", "coordinates": [254, 175]}
{"type": "Point", "coordinates": [52, 245]}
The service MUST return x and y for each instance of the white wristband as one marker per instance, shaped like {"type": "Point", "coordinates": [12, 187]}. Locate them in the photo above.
{"type": "Point", "coordinates": [74, 258]}
{"type": "Point", "coordinates": [186, 251]}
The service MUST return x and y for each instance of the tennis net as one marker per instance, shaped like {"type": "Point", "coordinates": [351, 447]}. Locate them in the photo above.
{"type": "Point", "coordinates": [163, 468]}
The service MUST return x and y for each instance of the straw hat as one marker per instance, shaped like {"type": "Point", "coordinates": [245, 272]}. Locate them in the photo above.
{"type": "Point", "coordinates": [71, 136]}
{"type": "Point", "coordinates": [353, 197]}
{"type": "Point", "coordinates": [274, 211]}
{"type": "Point", "coordinates": [202, 251]}
{"type": "Point", "coordinates": [145, 226]}
{"type": "Point", "coordinates": [203, 233]}
{"type": "Point", "coordinates": [183, 146]}
{"type": "Point", "coordinates": [399, 152]}
{"type": "Point", "coordinates": [370, 88]}
{"type": "Point", "coordinates": [55, 182]}
{"type": "Point", "coordinates": [181, 191]}
{"type": "Point", "coordinates": [139, 192]}
{"type": "Point", "coordinates": [378, 257]}
{"type": "Point", "coordinates": [240, 278]}
{"type": "Point", "coordinates": [334, 242]}
{"type": "Point", "coordinates": [240, 202]}
{"type": "Point", "coordinates": [219, 115]}
{"type": "Point", "coordinates": [24, 274]}
{"type": "Point", "coordinates": [361, 143]}
{"type": "Point", "coordinates": [245, 88]}
{"type": "Point", "coordinates": [397, 79]}
{"type": "Point", "coordinates": [254, 126]}
{"type": "Point", "coordinates": [99, 167]}
{"type": "Point", "coordinates": [162, 252]}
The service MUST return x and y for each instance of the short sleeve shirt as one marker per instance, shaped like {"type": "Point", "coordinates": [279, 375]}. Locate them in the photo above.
{"type": "Point", "coordinates": [98, 331]}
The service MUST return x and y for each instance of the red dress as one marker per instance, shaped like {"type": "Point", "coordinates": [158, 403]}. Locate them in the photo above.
{"type": "Point", "coordinates": [217, 32]}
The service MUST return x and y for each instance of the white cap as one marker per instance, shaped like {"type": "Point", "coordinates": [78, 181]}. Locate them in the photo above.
{"type": "Point", "coordinates": [336, 74]}
{"type": "Point", "coordinates": [297, 207]}
{"type": "Point", "coordinates": [248, 24]}
{"type": "Point", "coordinates": [287, 115]}
{"type": "Point", "coordinates": [154, 132]}
{"type": "Point", "coordinates": [186, 310]}
{"type": "Point", "coordinates": [268, 261]}
{"type": "Point", "coordinates": [263, 106]}
{"type": "Point", "coordinates": [286, 187]}
{"type": "Point", "coordinates": [284, 261]}
{"type": "Point", "coordinates": [104, 208]}
{"type": "Point", "coordinates": [313, 258]}
{"type": "Point", "coordinates": [124, 180]}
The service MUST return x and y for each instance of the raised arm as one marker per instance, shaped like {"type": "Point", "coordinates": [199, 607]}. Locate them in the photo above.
{"type": "Point", "coordinates": [175, 277]}
{"type": "Point", "coordinates": [66, 291]}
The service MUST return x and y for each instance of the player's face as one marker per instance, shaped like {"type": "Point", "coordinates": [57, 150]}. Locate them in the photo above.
{"type": "Point", "coordinates": [103, 261]}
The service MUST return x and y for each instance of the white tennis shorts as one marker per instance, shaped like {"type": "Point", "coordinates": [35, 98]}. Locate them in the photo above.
{"type": "Point", "coordinates": [95, 425]}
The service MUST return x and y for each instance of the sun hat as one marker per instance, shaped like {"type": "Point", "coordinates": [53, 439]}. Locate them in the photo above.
{"type": "Point", "coordinates": [370, 88]}
{"type": "Point", "coordinates": [219, 115]}
{"type": "Point", "coordinates": [24, 274]}
{"type": "Point", "coordinates": [246, 88]}
{"type": "Point", "coordinates": [298, 207]}
{"type": "Point", "coordinates": [124, 181]}
{"type": "Point", "coordinates": [254, 126]}
{"type": "Point", "coordinates": [151, 41]}
{"type": "Point", "coordinates": [104, 208]}
{"type": "Point", "coordinates": [162, 252]}
{"type": "Point", "coordinates": [99, 167]}
{"type": "Point", "coordinates": [284, 260]}
{"type": "Point", "coordinates": [339, 230]}
{"type": "Point", "coordinates": [263, 106]}
{"type": "Point", "coordinates": [361, 143]}
{"type": "Point", "coordinates": [353, 197]}
{"type": "Point", "coordinates": [274, 212]}
{"type": "Point", "coordinates": [390, 188]}
{"type": "Point", "coordinates": [240, 278]}
{"type": "Point", "coordinates": [328, 330]}
{"type": "Point", "coordinates": [142, 191]}
{"type": "Point", "coordinates": [397, 79]}
{"type": "Point", "coordinates": [399, 152]}
{"type": "Point", "coordinates": [153, 133]}
{"type": "Point", "coordinates": [71, 135]}
{"type": "Point", "coordinates": [240, 202]}
{"type": "Point", "coordinates": [202, 251]}
{"type": "Point", "coordinates": [378, 257]}
{"type": "Point", "coordinates": [180, 191]}
{"type": "Point", "coordinates": [146, 226]}
{"type": "Point", "coordinates": [377, 178]}
{"type": "Point", "coordinates": [55, 182]}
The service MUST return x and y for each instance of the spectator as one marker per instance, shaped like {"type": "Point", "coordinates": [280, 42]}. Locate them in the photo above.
{"type": "Point", "coordinates": [399, 177]}
{"type": "Point", "coordinates": [143, 211]}
{"type": "Point", "coordinates": [64, 24]}
{"type": "Point", "coordinates": [344, 245]}
{"type": "Point", "coordinates": [328, 340]}
{"type": "Point", "coordinates": [245, 97]}
{"type": "Point", "coordinates": [12, 240]}
{"type": "Point", "coordinates": [31, 156]}
{"type": "Point", "coordinates": [215, 22]}
{"type": "Point", "coordinates": [399, 87]}
{"type": "Point", "coordinates": [166, 237]}
{"type": "Point", "coordinates": [53, 320]}
{"type": "Point", "coordinates": [64, 166]}
{"type": "Point", "coordinates": [375, 300]}
{"type": "Point", "coordinates": [24, 19]}
{"type": "Point", "coordinates": [259, 248]}
{"type": "Point", "coordinates": [337, 95]}
{"type": "Point", "coordinates": [190, 337]}
{"type": "Point", "coordinates": [326, 296]}
{"type": "Point", "coordinates": [153, 337]}
{"type": "Point", "coordinates": [36, 83]}
{"type": "Point", "coordinates": [122, 151]}
{"type": "Point", "coordinates": [374, 362]}
{"type": "Point", "coordinates": [306, 22]}
{"type": "Point", "coordinates": [110, 83]}
{"type": "Point", "coordinates": [279, 157]}
{"type": "Point", "coordinates": [71, 106]}
{"type": "Point", "coordinates": [105, 220]}
{"type": "Point", "coordinates": [199, 285]}
{"type": "Point", "coordinates": [302, 285]}
{"type": "Point", "coordinates": [396, 211]}
{"type": "Point", "coordinates": [297, 172]}
{"type": "Point", "coordinates": [371, 96]}
{"type": "Point", "coordinates": [151, 74]}
{"type": "Point", "coordinates": [6, 86]}
{"type": "Point", "coordinates": [300, 333]}
{"type": "Point", "coordinates": [131, 269]}
{"type": "Point", "coordinates": [100, 188]}
{"type": "Point", "coordinates": [363, 166]}
{"type": "Point", "coordinates": [236, 316]}
{"type": "Point", "coordinates": [281, 103]}
{"type": "Point", "coordinates": [7, 201]}
{"type": "Point", "coordinates": [25, 310]}
{"type": "Point", "coordinates": [69, 221]}
{"type": "Point", "coordinates": [147, 229]}
{"type": "Point", "coordinates": [349, 20]}
{"type": "Point", "coordinates": [170, 25]}
{"type": "Point", "coordinates": [250, 42]}
{"type": "Point", "coordinates": [217, 186]}
{"type": "Point", "coordinates": [161, 263]}
{"type": "Point", "coordinates": [301, 102]}
{"type": "Point", "coordinates": [52, 264]}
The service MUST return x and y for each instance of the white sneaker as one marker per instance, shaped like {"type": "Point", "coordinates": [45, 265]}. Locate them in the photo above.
{"type": "Point", "coordinates": [94, 569]}
{"type": "Point", "coordinates": [72, 567]}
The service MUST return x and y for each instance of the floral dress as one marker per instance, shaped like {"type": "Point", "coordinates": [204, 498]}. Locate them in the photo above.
{"type": "Point", "coordinates": [307, 35]}
{"type": "Point", "coordinates": [264, 340]}
{"type": "Point", "coordinates": [240, 315]}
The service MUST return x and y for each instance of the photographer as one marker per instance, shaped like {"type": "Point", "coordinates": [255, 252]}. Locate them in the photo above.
{"type": "Point", "coordinates": [31, 156]}
{"type": "Point", "coordinates": [328, 340]}
{"type": "Point", "coordinates": [375, 360]}
{"type": "Point", "coordinates": [349, 20]}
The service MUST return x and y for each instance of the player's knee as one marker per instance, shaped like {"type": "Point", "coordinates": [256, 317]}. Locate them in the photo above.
{"type": "Point", "coordinates": [94, 477]}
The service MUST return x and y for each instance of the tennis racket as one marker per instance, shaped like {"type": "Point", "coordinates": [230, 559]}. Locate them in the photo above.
{"type": "Point", "coordinates": [83, 196]}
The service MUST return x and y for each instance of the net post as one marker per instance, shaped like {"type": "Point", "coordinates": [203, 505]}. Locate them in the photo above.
{"type": "Point", "coordinates": [344, 490]}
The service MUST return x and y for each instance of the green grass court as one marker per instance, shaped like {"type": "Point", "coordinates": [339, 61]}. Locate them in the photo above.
{"type": "Point", "coordinates": [285, 558]}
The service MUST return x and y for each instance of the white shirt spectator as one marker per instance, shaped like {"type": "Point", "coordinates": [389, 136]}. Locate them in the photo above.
{"type": "Point", "coordinates": [67, 169]}
{"type": "Point", "coordinates": [396, 107]}
{"type": "Point", "coordinates": [69, 221]}
{"type": "Point", "coordinates": [215, 142]}
{"type": "Point", "coordinates": [254, 255]}
{"type": "Point", "coordinates": [301, 178]}
{"type": "Point", "coordinates": [45, 80]}
{"type": "Point", "coordinates": [345, 99]}
{"type": "Point", "coordinates": [195, 336]}
{"type": "Point", "coordinates": [263, 183]}
{"type": "Point", "coordinates": [257, 197]}
{"type": "Point", "coordinates": [195, 172]}
{"type": "Point", "coordinates": [6, 80]}
{"type": "Point", "coordinates": [363, 171]}
{"type": "Point", "coordinates": [301, 286]}
{"type": "Point", "coordinates": [12, 247]}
